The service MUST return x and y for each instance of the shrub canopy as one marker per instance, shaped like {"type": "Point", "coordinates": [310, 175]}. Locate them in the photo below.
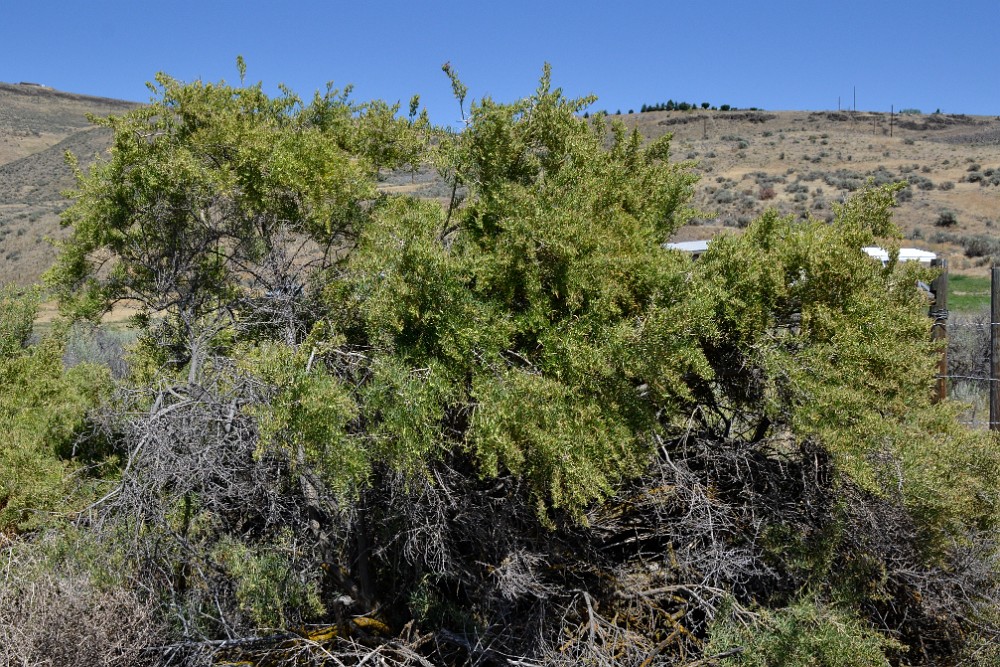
{"type": "Point", "coordinates": [459, 409]}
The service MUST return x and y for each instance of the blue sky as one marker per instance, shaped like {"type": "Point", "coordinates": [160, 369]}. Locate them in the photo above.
{"type": "Point", "coordinates": [773, 54]}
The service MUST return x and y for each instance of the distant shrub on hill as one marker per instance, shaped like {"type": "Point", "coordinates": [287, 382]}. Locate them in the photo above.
{"type": "Point", "coordinates": [981, 245]}
{"type": "Point", "coordinates": [946, 219]}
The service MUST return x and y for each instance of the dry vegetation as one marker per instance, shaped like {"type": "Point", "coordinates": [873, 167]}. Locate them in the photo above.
{"type": "Point", "coordinates": [37, 126]}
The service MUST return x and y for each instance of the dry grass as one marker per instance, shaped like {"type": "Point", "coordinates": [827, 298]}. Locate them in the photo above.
{"type": "Point", "coordinates": [34, 118]}
{"type": "Point", "coordinates": [54, 612]}
{"type": "Point", "coordinates": [37, 127]}
{"type": "Point", "coordinates": [120, 314]}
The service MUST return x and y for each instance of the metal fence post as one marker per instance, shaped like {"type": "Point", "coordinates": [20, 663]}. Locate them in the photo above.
{"type": "Point", "coordinates": [939, 328]}
{"type": "Point", "coordinates": [995, 348]}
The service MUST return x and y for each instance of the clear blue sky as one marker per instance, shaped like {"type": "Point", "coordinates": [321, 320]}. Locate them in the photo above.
{"type": "Point", "coordinates": [774, 54]}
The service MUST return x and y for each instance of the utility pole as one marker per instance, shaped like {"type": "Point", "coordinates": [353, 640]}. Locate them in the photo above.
{"type": "Point", "coordinates": [854, 109]}
{"type": "Point", "coordinates": [892, 116]}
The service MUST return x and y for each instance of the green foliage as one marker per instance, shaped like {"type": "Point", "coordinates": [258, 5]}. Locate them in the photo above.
{"type": "Point", "coordinates": [677, 106]}
{"type": "Point", "coordinates": [806, 634]}
{"type": "Point", "coordinates": [533, 329]}
{"type": "Point", "coordinates": [948, 475]}
{"type": "Point", "coordinates": [521, 311]}
{"type": "Point", "coordinates": [541, 300]}
{"type": "Point", "coordinates": [17, 315]}
{"type": "Point", "coordinates": [569, 446]}
{"type": "Point", "coordinates": [308, 415]}
{"type": "Point", "coordinates": [208, 179]}
{"type": "Point", "coordinates": [835, 348]}
{"type": "Point", "coordinates": [537, 323]}
{"type": "Point", "coordinates": [42, 409]}
{"type": "Point", "coordinates": [268, 586]}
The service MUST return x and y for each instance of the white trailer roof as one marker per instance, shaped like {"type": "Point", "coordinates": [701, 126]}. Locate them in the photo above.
{"type": "Point", "coordinates": [688, 246]}
{"type": "Point", "coordinates": [905, 254]}
{"type": "Point", "coordinates": [881, 254]}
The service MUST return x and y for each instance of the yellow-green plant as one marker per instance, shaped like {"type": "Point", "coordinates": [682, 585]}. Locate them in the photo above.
{"type": "Point", "coordinates": [43, 408]}
{"type": "Point", "coordinates": [339, 352]}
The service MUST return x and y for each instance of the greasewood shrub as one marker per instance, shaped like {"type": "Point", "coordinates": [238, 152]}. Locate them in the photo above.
{"type": "Point", "coordinates": [528, 344]}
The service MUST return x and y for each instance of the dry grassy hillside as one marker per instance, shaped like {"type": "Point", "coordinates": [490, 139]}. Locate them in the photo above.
{"type": "Point", "coordinates": [37, 126]}
{"type": "Point", "coordinates": [798, 161]}
{"type": "Point", "coordinates": [804, 162]}
{"type": "Point", "coordinates": [34, 117]}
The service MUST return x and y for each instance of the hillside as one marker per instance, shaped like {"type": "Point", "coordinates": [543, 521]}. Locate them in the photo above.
{"type": "Point", "coordinates": [804, 162]}
{"type": "Point", "coordinates": [33, 118]}
{"type": "Point", "coordinates": [798, 161]}
{"type": "Point", "coordinates": [37, 126]}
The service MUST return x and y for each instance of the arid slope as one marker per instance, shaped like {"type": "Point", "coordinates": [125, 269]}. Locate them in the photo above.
{"type": "Point", "coordinates": [37, 126]}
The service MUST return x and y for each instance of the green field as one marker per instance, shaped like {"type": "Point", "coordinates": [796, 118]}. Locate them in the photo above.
{"type": "Point", "coordinates": [968, 294]}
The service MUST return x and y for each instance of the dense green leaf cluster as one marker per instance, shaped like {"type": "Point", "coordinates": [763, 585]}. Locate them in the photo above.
{"type": "Point", "coordinates": [805, 634]}
{"type": "Point", "coordinates": [834, 347]}
{"type": "Point", "coordinates": [517, 315]}
{"type": "Point", "coordinates": [42, 410]}
{"type": "Point", "coordinates": [201, 182]}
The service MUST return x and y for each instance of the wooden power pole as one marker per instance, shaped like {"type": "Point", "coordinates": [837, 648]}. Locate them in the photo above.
{"type": "Point", "coordinates": [939, 329]}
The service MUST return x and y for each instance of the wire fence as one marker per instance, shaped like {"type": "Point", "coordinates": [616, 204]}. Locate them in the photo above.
{"type": "Point", "coordinates": [969, 364]}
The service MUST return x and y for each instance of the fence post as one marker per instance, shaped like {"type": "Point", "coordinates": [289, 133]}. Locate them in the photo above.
{"type": "Point", "coordinates": [939, 329]}
{"type": "Point", "coordinates": [995, 348]}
